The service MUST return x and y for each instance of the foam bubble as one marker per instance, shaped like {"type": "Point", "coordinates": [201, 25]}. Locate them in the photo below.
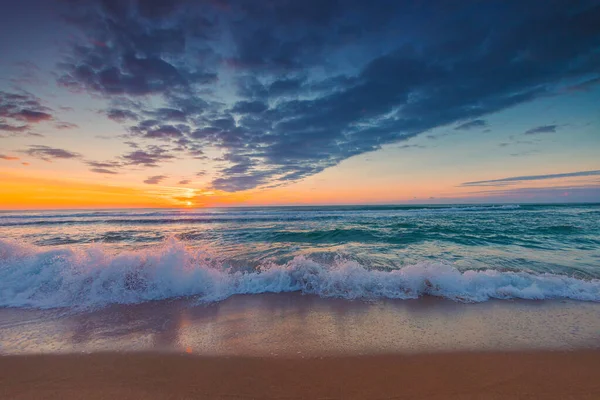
{"type": "Point", "coordinates": [93, 276]}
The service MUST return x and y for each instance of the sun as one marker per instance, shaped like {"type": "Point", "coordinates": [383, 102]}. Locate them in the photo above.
{"type": "Point", "coordinates": [189, 203]}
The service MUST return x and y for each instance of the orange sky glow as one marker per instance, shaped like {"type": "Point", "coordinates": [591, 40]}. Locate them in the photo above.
{"type": "Point", "coordinates": [20, 191]}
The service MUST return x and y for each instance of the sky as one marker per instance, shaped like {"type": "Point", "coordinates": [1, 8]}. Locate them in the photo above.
{"type": "Point", "coordinates": [175, 103]}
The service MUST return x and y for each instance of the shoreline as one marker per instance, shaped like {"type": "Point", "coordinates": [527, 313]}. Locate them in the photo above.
{"type": "Point", "coordinates": [460, 375]}
{"type": "Point", "coordinates": [290, 323]}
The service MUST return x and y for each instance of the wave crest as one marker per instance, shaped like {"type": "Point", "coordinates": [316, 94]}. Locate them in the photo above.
{"type": "Point", "coordinates": [92, 277]}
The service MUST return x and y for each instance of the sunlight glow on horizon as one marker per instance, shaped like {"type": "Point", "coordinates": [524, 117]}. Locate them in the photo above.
{"type": "Point", "coordinates": [23, 192]}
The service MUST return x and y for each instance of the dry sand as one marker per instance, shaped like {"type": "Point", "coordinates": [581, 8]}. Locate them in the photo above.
{"type": "Point", "coordinates": [505, 375]}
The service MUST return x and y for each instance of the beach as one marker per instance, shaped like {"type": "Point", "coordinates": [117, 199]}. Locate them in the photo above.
{"type": "Point", "coordinates": [293, 346]}
{"type": "Point", "coordinates": [505, 375]}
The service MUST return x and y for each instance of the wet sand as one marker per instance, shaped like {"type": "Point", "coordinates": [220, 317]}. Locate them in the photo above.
{"type": "Point", "coordinates": [292, 324]}
{"type": "Point", "coordinates": [507, 375]}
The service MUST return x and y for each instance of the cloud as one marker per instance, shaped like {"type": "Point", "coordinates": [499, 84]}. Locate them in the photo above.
{"type": "Point", "coordinates": [66, 125]}
{"type": "Point", "coordinates": [13, 128]}
{"type": "Point", "coordinates": [8, 158]}
{"type": "Point", "coordinates": [516, 179]}
{"type": "Point", "coordinates": [153, 180]}
{"type": "Point", "coordinates": [104, 167]}
{"type": "Point", "coordinates": [240, 182]}
{"type": "Point", "coordinates": [249, 107]}
{"type": "Point", "coordinates": [31, 116]}
{"type": "Point", "coordinates": [571, 194]}
{"type": "Point", "coordinates": [21, 111]}
{"type": "Point", "coordinates": [103, 171]}
{"type": "Point", "coordinates": [169, 114]}
{"type": "Point", "coordinates": [584, 86]}
{"type": "Point", "coordinates": [121, 115]}
{"type": "Point", "coordinates": [153, 129]}
{"type": "Point", "coordinates": [541, 129]}
{"type": "Point", "coordinates": [47, 153]}
{"type": "Point", "coordinates": [104, 164]}
{"type": "Point", "coordinates": [150, 157]}
{"type": "Point", "coordinates": [478, 123]}
{"type": "Point", "coordinates": [412, 146]}
{"type": "Point", "coordinates": [184, 182]}
{"type": "Point", "coordinates": [312, 83]}
{"type": "Point", "coordinates": [19, 108]}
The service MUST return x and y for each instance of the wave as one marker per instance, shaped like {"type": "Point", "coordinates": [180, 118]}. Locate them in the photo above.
{"type": "Point", "coordinates": [248, 216]}
{"type": "Point", "coordinates": [94, 277]}
{"type": "Point", "coordinates": [133, 220]}
{"type": "Point", "coordinates": [483, 208]}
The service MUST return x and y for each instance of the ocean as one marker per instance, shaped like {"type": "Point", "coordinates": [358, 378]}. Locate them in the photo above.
{"type": "Point", "coordinates": [466, 253]}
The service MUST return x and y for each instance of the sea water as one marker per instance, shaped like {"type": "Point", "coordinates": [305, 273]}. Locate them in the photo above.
{"type": "Point", "coordinates": [467, 253]}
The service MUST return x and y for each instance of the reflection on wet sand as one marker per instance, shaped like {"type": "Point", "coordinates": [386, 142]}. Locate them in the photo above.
{"type": "Point", "coordinates": [300, 325]}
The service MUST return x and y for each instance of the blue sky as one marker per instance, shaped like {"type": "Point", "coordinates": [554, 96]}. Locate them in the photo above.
{"type": "Point", "coordinates": [286, 102]}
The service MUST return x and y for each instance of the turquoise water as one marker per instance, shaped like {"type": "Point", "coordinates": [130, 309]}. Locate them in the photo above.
{"type": "Point", "coordinates": [50, 259]}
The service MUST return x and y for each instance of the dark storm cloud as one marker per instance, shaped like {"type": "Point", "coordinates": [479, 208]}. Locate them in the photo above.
{"type": "Point", "coordinates": [316, 82]}
{"type": "Point", "coordinates": [47, 153]}
{"type": "Point", "coordinates": [478, 123]}
{"type": "Point", "coordinates": [153, 180]}
{"type": "Point", "coordinates": [541, 129]}
{"type": "Point", "coordinates": [516, 179]}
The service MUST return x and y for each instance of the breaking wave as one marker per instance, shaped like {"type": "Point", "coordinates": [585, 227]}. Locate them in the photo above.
{"type": "Point", "coordinates": [94, 277]}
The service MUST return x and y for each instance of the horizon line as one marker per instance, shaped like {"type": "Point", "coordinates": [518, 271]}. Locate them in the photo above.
{"type": "Point", "coordinates": [310, 205]}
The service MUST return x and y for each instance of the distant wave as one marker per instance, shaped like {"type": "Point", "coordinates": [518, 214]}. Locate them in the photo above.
{"type": "Point", "coordinates": [134, 220]}
{"type": "Point", "coordinates": [94, 277]}
{"type": "Point", "coordinates": [200, 217]}
{"type": "Point", "coordinates": [481, 208]}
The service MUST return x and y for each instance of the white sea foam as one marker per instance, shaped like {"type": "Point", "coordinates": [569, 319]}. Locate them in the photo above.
{"type": "Point", "coordinates": [91, 277]}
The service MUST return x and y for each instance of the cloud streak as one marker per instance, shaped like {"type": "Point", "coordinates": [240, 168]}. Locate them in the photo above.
{"type": "Point", "coordinates": [47, 153]}
{"type": "Point", "coordinates": [516, 179]}
{"type": "Point", "coordinates": [478, 123]}
{"type": "Point", "coordinates": [154, 180]}
{"type": "Point", "coordinates": [542, 129]}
